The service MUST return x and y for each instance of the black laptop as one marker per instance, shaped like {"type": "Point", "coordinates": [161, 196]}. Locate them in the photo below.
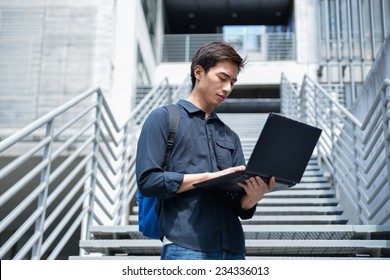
{"type": "Point", "coordinates": [283, 150]}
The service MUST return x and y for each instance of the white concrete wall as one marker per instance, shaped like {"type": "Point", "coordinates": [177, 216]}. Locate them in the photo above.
{"type": "Point", "coordinates": [254, 73]}
{"type": "Point", "coordinates": [124, 61]}
{"type": "Point", "coordinates": [131, 32]}
{"type": "Point", "coordinates": [306, 17]}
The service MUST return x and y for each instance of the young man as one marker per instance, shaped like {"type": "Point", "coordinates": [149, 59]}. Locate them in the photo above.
{"type": "Point", "coordinates": [199, 224]}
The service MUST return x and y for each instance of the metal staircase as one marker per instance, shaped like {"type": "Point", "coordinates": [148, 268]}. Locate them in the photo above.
{"type": "Point", "coordinates": [304, 221]}
{"type": "Point", "coordinates": [70, 174]}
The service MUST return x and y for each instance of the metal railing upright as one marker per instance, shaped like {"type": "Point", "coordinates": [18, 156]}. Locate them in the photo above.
{"type": "Point", "coordinates": [78, 171]}
{"type": "Point", "coordinates": [356, 153]}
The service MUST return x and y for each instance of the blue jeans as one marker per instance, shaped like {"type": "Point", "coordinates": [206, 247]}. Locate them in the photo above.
{"type": "Point", "coordinates": [176, 252]}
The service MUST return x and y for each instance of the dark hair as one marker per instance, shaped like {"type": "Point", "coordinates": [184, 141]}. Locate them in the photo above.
{"type": "Point", "coordinates": [210, 54]}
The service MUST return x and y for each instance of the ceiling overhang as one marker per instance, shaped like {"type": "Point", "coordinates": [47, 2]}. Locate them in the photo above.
{"type": "Point", "coordinates": [208, 16]}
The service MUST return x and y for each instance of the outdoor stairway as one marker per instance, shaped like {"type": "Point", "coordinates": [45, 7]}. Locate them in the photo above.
{"type": "Point", "coordinates": [306, 220]}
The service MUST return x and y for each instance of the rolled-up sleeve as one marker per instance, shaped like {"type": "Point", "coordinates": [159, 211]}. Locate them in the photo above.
{"type": "Point", "coordinates": [152, 179]}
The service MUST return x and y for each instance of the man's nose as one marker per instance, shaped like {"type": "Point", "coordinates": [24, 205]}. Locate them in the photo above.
{"type": "Point", "coordinates": [227, 87]}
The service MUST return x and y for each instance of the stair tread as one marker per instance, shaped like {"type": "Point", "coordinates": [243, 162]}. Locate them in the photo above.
{"type": "Point", "coordinates": [279, 218]}
{"type": "Point", "coordinates": [355, 228]}
{"type": "Point", "coordinates": [270, 231]}
{"type": "Point", "coordinates": [253, 247]}
{"type": "Point", "coordinates": [305, 219]}
{"type": "Point", "coordinates": [298, 192]}
{"type": "Point", "coordinates": [316, 247]}
{"type": "Point", "coordinates": [298, 209]}
{"type": "Point", "coordinates": [298, 201]}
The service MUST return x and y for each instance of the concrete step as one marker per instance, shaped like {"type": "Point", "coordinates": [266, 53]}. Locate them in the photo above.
{"type": "Point", "coordinates": [282, 219]}
{"type": "Point", "coordinates": [298, 210]}
{"type": "Point", "coordinates": [334, 248]}
{"type": "Point", "coordinates": [120, 242]}
{"type": "Point", "coordinates": [296, 193]}
{"type": "Point", "coordinates": [122, 246]}
{"type": "Point", "coordinates": [312, 172]}
{"type": "Point", "coordinates": [278, 232]}
{"type": "Point", "coordinates": [315, 179]}
{"type": "Point", "coordinates": [296, 220]}
{"type": "Point", "coordinates": [271, 201]}
{"type": "Point", "coordinates": [313, 186]}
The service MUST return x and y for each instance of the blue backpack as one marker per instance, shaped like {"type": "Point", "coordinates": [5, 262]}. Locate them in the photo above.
{"type": "Point", "coordinates": [149, 207]}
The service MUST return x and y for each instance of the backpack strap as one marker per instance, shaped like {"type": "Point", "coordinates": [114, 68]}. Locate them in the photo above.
{"type": "Point", "coordinates": [173, 120]}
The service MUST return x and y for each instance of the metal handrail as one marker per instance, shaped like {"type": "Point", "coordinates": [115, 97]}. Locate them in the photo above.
{"type": "Point", "coordinates": [356, 153]}
{"type": "Point", "coordinates": [82, 173]}
{"type": "Point", "coordinates": [257, 45]}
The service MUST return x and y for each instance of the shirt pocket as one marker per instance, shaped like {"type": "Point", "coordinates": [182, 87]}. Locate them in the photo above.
{"type": "Point", "coordinates": [224, 150]}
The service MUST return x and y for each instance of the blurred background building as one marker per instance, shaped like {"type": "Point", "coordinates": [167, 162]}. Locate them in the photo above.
{"type": "Point", "coordinates": [52, 50]}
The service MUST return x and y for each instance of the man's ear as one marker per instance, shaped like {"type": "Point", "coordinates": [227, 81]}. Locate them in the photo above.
{"type": "Point", "coordinates": [198, 70]}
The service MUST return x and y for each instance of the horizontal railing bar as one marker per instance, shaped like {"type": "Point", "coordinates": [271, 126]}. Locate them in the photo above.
{"type": "Point", "coordinates": [75, 119]}
{"type": "Point", "coordinates": [376, 192]}
{"type": "Point", "coordinates": [61, 206]}
{"type": "Point", "coordinates": [106, 125]}
{"type": "Point", "coordinates": [371, 126]}
{"type": "Point", "coordinates": [64, 221]}
{"type": "Point", "coordinates": [374, 158]}
{"type": "Point", "coordinates": [68, 161]}
{"type": "Point", "coordinates": [109, 148]}
{"type": "Point", "coordinates": [384, 85]}
{"type": "Point", "coordinates": [106, 177]}
{"type": "Point", "coordinates": [336, 103]}
{"type": "Point", "coordinates": [21, 207]}
{"type": "Point", "coordinates": [14, 138]}
{"type": "Point", "coordinates": [72, 140]}
{"type": "Point", "coordinates": [27, 246]}
{"type": "Point", "coordinates": [61, 244]}
{"type": "Point", "coordinates": [71, 176]}
{"type": "Point", "coordinates": [97, 220]}
{"type": "Point", "coordinates": [341, 167]}
{"type": "Point", "coordinates": [377, 207]}
{"type": "Point", "coordinates": [104, 191]}
{"type": "Point", "coordinates": [373, 141]}
{"type": "Point", "coordinates": [20, 232]}
{"type": "Point", "coordinates": [23, 158]}
{"type": "Point", "coordinates": [381, 166]}
{"type": "Point", "coordinates": [344, 145]}
{"type": "Point", "coordinates": [104, 209]}
{"type": "Point", "coordinates": [11, 192]}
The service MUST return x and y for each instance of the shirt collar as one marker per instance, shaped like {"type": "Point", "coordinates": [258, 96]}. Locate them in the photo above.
{"type": "Point", "coordinates": [191, 108]}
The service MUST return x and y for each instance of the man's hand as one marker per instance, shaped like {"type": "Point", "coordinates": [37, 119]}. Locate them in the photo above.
{"type": "Point", "coordinates": [190, 179]}
{"type": "Point", "coordinates": [226, 171]}
{"type": "Point", "coordinates": [255, 189]}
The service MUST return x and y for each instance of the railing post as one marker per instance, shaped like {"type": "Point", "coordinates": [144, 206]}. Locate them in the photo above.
{"type": "Point", "coordinates": [356, 171]}
{"type": "Point", "coordinates": [94, 164]}
{"type": "Point", "coordinates": [187, 49]}
{"type": "Point", "coordinates": [385, 102]}
{"type": "Point", "coordinates": [42, 198]}
{"type": "Point", "coordinates": [332, 138]}
{"type": "Point", "coordinates": [170, 94]}
{"type": "Point", "coordinates": [123, 210]}
{"type": "Point", "coordinates": [302, 99]}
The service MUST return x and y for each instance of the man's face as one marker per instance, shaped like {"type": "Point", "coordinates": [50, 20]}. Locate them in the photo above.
{"type": "Point", "coordinates": [216, 85]}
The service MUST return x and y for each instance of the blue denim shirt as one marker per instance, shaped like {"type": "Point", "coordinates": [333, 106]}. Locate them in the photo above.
{"type": "Point", "coordinates": [198, 219]}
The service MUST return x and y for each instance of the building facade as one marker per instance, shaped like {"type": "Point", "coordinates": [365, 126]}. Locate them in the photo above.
{"type": "Point", "coordinates": [53, 50]}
